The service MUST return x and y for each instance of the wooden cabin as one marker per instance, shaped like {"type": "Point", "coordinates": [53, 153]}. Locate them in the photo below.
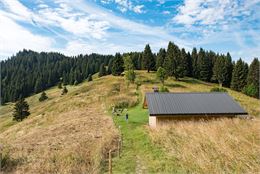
{"type": "Point", "coordinates": [164, 108]}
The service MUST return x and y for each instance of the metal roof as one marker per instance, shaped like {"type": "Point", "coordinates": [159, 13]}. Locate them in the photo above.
{"type": "Point", "coordinates": [206, 103]}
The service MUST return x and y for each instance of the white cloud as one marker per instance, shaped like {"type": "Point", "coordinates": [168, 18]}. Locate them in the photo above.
{"type": "Point", "coordinates": [138, 9]}
{"type": "Point", "coordinates": [209, 12]}
{"type": "Point", "coordinates": [15, 38]}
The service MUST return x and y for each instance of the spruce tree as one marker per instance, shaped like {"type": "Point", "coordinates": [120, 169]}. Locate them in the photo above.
{"type": "Point", "coordinates": [195, 68]}
{"type": "Point", "coordinates": [38, 86]}
{"type": "Point", "coordinates": [89, 78]}
{"type": "Point", "coordinates": [184, 62]}
{"type": "Point", "coordinates": [252, 87]}
{"type": "Point", "coordinates": [160, 58]}
{"type": "Point", "coordinates": [148, 58]}
{"type": "Point", "coordinates": [169, 60]}
{"type": "Point", "coordinates": [118, 65]}
{"type": "Point", "coordinates": [239, 75]}
{"type": "Point", "coordinates": [102, 70]}
{"type": "Point", "coordinates": [139, 62]}
{"type": "Point", "coordinates": [109, 67]}
{"type": "Point", "coordinates": [229, 66]}
{"type": "Point", "coordinates": [219, 70]}
{"type": "Point", "coordinates": [43, 97]}
{"type": "Point", "coordinates": [204, 66]}
{"type": "Point", "coordinates": [189, 62]}
{"type": "Point", "coordinates": [21, 110]}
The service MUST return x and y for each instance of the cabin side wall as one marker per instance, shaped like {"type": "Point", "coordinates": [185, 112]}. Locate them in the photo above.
{"type": "Point", "coordinates": [152, 121]}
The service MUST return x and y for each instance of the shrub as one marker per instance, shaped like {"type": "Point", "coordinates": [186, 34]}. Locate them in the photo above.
{"type": "Point", "coordinates": [163, 89]}
{"type": "Point", "coordinates": [64, 91]}
{"type": "Point", "coordinates": [218, 90]}
{"type": "Point", "coordinates": [43, 97]}
{"type": "Point", "coordinates": [251, 90]}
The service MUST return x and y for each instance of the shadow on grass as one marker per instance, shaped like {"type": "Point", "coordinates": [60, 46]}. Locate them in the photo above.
{"type": "Point", "coordinates": [174, 85]}
{"type": "Point", "coordinates": [9, 164]}
{"type": "Point", "coordinates": [192, 81]}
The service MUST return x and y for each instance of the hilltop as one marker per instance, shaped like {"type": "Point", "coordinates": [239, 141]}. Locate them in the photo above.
{"type": "Point", "coordinates": [73, 133]}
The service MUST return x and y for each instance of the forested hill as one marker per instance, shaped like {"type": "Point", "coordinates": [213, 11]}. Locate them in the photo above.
{"type": "Point", "coordinates": [30, 72]}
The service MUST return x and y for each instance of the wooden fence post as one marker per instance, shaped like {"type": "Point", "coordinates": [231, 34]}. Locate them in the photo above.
{"type": "Point", "coordinates": [110, 162]}
{"type": "Point", "coordinates": [119, 147]}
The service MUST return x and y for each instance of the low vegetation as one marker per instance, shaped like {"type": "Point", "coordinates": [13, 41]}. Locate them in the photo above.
{"type": "Point", "coordinates": [72, 133]}
{"type": "Point", "coordinates": [219, 146]}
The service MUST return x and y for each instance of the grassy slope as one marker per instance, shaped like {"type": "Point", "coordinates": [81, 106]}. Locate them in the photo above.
{"type": "Point", "coordinates": [221, 146]}
{"type": "Point", "coordinates": [64, 134]}
{"type": "Point", "coordinates": [144, 150]}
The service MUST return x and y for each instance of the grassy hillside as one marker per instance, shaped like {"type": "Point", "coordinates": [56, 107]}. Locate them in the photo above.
{"type": "Point", "coordinates": [71, 133]}
{"type": "Point", "coordinates": [65, 134]}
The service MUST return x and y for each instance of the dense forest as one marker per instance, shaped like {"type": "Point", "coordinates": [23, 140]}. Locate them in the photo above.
{"type": "Point", "coordinates": [29, 72]}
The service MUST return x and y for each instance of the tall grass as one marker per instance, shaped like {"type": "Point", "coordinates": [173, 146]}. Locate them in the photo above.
{"type": "Point", "coordinates": [219, 146]}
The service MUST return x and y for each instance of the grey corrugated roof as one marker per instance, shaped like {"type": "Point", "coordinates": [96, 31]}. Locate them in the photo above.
{"type": "Point", "coordinates": [192, 103]}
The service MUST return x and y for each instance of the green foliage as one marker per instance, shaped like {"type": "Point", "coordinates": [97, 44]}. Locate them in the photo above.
{"type": "Point", "coordinates": [161, 75]}
{"type": "Point", "coordinates": [218, 90]}
{"type": "Point", "coordinates": [21, 110]}
{"type": "Point", "coordinates": [30, 72]}
{"type": "Point", "coordinates": [130, 75]}
{"type": "Point", "coordinates": [251, 90]}
{"type": "Point", "coordinates": [64, 91]}
{"type": "Point", "coordinates": [43, 97]}
{"type": "Point", "coordinates": [59, 85]}
{"type": "Point", "coordinates": [118, 65]}
{"type": "Point", "coordinates": [102, 70]}
{"type": "Point", "coordinates": [89, 78]}
{"type": "Point", "coordinates": [160, 58]}
{"type": "Point", "coordinates": [204, 66]}
{"type": "Point", "coordinates": [128, 63]}
{"type": "Point", "coordinates": [163, 89]}
{"type": "Point", "coordinates": [148, 59]}
{"type": "Point", "coordinates": [195, 63]}
{"type": "Point", "coordinates": [239, 75]}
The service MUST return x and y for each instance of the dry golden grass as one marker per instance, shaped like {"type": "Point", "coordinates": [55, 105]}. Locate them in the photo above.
{"type": "Point", "coordinates": [219, 146]}
{"type": "Point", "coordinates": [65, 134]}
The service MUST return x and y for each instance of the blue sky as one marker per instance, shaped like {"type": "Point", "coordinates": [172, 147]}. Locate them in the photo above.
{"type": "Point", "coordinates": [108, 26]}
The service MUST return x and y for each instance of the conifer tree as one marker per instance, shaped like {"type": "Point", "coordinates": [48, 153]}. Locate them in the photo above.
{"type": "Point", "coordinates": [204, 66]}
{"type": "Point", "coordinates": [64, 91]}
{"type": "Point", "coordinates": [21, 110]}
{"type": "Point", "coordinates": [160, 58]}
{"type": "Point", "coordinates": [239, 75]}
{"type": "Point", "coordinates": [139, 62]}
{"type": "Point", "coordinates": [189, 62]}
{"type": "Point", "coordinates": [38, 86]}
{"type": "Point", "coordinates": [43, 97]}
{"type": "Point", "coordinates": [109, 67]}
{"type": "Point", "coordinates": [148, 59]}
{"type": "Point", "coordinates": [252, 87]}
{"type": "Point", "coordinates": [169, 60]}
{"type": "Point", "coordinates": [89, 78]}
{"type": "Point", "coordinates": [184, 62]}
{"type": "Point", "coordinates": [195, 67]}
{"type": "Point", "coordinates": [59, 85]}
{"type": "Point", "coordinates": [219, 70]}
{"type": "Point", "coordinates": [118, 65]}
{"type": "Point", "coordinates": [102, 70]}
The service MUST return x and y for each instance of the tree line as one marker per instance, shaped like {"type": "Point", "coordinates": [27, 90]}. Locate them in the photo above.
{"type": "Point", "coordinates": [29, 72]}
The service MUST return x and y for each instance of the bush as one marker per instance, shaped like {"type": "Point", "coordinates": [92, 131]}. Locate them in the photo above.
{"type": "Point", "coordinates": [163, 89]}
{"type": "Point", "coordinates": [251, 90]}
{"type": "Point", "coordinates": [43, 97]}
{"type": "Point", "coordinates": [218, 90]}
